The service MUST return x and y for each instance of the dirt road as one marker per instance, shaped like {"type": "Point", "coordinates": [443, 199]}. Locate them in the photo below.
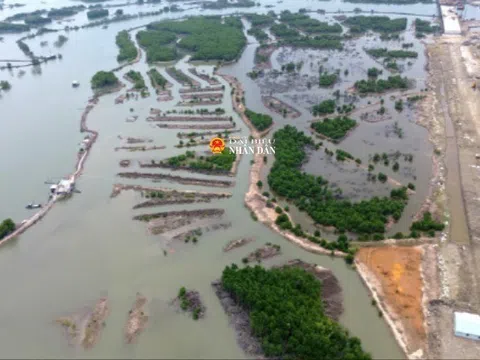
{"type": "Point", "coordinates": [451, 270]}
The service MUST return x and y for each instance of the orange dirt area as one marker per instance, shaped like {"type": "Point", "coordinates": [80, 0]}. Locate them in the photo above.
{"type": "Point", "coordinates": [400, 287]}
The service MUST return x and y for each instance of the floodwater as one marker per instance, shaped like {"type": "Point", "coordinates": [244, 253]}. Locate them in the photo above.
{"type": "Point", "coordinates": [88, 246]}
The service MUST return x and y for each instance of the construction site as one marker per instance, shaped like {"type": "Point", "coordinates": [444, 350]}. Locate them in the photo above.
{"type": "Point", "coordinates": [442, 278]}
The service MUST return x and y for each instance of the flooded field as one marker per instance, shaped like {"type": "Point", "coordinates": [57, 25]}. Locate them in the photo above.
{"type": "Point", "coordinates": [90, 246]}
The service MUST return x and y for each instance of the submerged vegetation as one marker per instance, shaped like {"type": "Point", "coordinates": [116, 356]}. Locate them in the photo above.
{"type": "Point", "coordinates": [287, 314]}
{"type": "Point", "coordinates": [260, 121]}
{"type": "Point", "coordinates": [128, 50]}
{"type": "Point", "coordinates": [335, 128]}
{"type": "Point", "coordinates": [423, 27]}
{"type": "Point", "coordinates": [313, 195]}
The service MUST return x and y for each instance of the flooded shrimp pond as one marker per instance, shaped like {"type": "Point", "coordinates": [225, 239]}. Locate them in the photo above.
{"type": "Point", "coordinates": [91, 246]}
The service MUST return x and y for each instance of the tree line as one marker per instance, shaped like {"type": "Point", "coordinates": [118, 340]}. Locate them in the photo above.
{"type": "Point", "coordinates": [127, 49]}
{"type": "Point", "coordinates": [287, 315]}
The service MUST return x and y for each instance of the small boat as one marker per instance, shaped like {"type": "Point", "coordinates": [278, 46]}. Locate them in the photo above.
{"type": "Point", "coordinates": [33, 206]}
{"type": "Point", "coordinates": [75, 83]}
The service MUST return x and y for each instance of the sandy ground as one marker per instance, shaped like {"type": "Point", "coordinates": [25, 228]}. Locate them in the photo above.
{"type": "Point", "coordinates": [450, 269]}
{"type": "Point", "coordinates": [393, 274]}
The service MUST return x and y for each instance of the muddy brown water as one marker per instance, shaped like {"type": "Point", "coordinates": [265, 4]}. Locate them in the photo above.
{"type": "Point", "coordinates": [89, 246]}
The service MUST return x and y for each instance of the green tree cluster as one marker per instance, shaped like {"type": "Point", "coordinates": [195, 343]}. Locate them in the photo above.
{"type": "Point", "coordinates": [427, 224]}
{"type": "Point", "coordinates": [97, 13]}
{"type": "Point", "coordinates": [425, 27]}
{"type": "Point", "coordinates": [6, 28]}
{"type": "Point", "coordinates": [260, 121]}
{"type": "Point", "coordinates": [373, 72]}
{"type": "Point", "coordinates": [128, 51]}
{"type": "Point", "coordinates": [158, 45]}
{"type": "Point", "coordinates": [137, 78]}
{"type": "Point", "coordinates": [342, 155]}
{"type": "Point", "coordinates": [361, 24]}
{"type": "Point", "coordinates": [260, 20]}
{"type": "Point", "coordinates": [380, 85]}
{"type": "Point", "coordinates": [208, 38]}
{"type": "Point", "coordinates": [258, 33]}
{"type": "Point", "coordinates": [335, 128]}
{"type": "Point", "coordinates": [6, 227]}
{"type": "Point", "coordinates": [327, 79]}
{"type": "Point", "coordinates": [325, 107]}
{"type": "Point", "coordinates": [325, 41]}
{"type": "Point", "coordinates": [37, 20]}
{"type": "Point", "coordinates": [313, 195]}
{"type": "Point", "coordinates": [5, 85]}
{"type": "Point", "coordinates": [157, 79]}
{"type": "Point", "coordinates": [287, 315]}
{"type": "Point", "coordinates": [308, 25]}
{"type": "Point", "coordinates": [383, 52]}
{"type": "Point", "coordinates": [103, 79]}
{"type": "Point", "coordinates": [223, 161]}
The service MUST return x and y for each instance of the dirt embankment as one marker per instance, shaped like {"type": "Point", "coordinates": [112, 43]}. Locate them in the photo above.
{"type": "Point", "coordinates": [137, 320]}
{"type": "Point", "coordinates": [140, 148]}
{"type": "Point", "coordinates": [179, 179]}
{"type": "Point", "coordinates": [393, 275]}
{"type": "Point", "coordinates": [265, 252]}
{"type": "Point", "coordinates": [188, 118]}
{"type": "Point", "coordinates": [84, 328]}
{"type": "Point", "coordinates": [239, 108]}
{"type": "Point", "coordinates": [182, 78]}
{"type": "Point", "coordinates": [236, 243]}
{"type": "Point", "coordinates": [240, 320]}
{"type": "Point", "coordinates": [209, 79]}
{"type": "Point", "coordinates": [202, 96]}
{"type": "Point", "coordinates": [332, 295]}
{"type": "Point", "coordinates": [280, 107]}
{"type": "Point", "coordinates": [183, 135]}
{"type": "Point", "coordinates": [159, 223]}
{"type": "Point", "coordinates": [200, 90]}
{"type": "Point", "coordinates": [223, 126]}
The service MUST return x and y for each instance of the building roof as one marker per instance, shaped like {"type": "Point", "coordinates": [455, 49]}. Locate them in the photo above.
{"type": "Point", "coordinates": [467, 323]}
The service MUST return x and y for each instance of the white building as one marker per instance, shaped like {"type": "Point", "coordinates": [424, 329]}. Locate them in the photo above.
{"type": "Point", "coordinates": [467, 325]}
{"type": "Point", "coordinates": [63, 188]}
{"type": "Point", "coordinates": [451, 22]}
